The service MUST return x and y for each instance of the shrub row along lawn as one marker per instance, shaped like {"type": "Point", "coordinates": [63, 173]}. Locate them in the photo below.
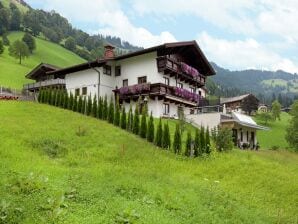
{"type": "Point", "coordinates": [62, 167]}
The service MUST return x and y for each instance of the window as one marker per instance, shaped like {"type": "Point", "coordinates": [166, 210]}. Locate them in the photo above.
{"type": "Point", "coordinates": [167, 81]}
{"type": "Point", "coordinates": [84, 91]}
{"type": "Point", "coordinates": [180, 85]}
{"type": "Point", "coordinates": [192, 90]}
{"type": "Point", "coordinates": [247, 136]}
{"type": "Point", "coordinates": [107, 70]}
{"type": "Point", "coordinates": [125, 82]}
{"type": "Point", "coordinates": [142, 79]}
{"type": "Point", "coordinates": [118, 70]}
{"type": "Point", "coordinates": [241, 136]}
{"type": "Point", "coordinates": [166, 109]}
{"type": "Point", "coordinates": [77, 92]}
{"type": "Point", "coordinates": [200, 92]}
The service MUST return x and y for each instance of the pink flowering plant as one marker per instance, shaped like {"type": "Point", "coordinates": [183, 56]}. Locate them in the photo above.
{"type": "Point", "coordinates": [134, 89]}
{"type": "Point", "coordinates": [185, 94]}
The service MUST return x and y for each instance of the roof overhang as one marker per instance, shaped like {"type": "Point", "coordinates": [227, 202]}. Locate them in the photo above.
{"type": "Point", "coordinates": [41, 70]}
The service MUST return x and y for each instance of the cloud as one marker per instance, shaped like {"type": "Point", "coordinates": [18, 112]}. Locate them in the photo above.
{"type": "Point", "coordinates": [241, 54]}
{"type": "Point", "coordinates": [110, 18]}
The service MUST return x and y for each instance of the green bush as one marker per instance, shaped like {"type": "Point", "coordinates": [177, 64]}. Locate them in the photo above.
{"type": "Point", "coordinates": [52, 148]}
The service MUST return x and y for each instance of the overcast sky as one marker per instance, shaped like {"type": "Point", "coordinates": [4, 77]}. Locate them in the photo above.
{"type": "Point", "coordinates": [236, 34]}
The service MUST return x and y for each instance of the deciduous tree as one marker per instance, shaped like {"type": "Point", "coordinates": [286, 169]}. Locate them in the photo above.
{"type": "Point", "coordinates": [276, 109]}
{"type": "Point", "coordinates": [19, 50]}
{"type": "Point", "coordinates": [30, 41]}
{"type": "Point", "coordinates": [292, 129]}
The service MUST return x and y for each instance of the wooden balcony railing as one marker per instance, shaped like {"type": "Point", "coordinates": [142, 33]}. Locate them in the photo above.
{"type": "Point", "coordinates": [173, 68]}
{"type": "Point", "coordinates": [160, 90]}
{"type": "Point", "coordinates": [46, 83]}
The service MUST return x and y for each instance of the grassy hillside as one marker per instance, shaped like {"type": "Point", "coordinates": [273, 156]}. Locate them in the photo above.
{"type": "Point", "coordinates": [64, 167]}
{"type": "Point", "coordinates": [276, 135]}
{"type": "Point", "coordinates": [13, 74]}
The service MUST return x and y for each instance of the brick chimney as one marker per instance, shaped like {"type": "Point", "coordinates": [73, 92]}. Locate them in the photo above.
{"type": "Point", "coordinates": [109, 51]}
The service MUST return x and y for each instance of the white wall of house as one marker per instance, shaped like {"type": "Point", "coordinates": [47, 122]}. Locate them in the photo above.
{"type": "Point", "coordinates": [210, 120]}
{"type": "Point", "coordinates": [246, 135]}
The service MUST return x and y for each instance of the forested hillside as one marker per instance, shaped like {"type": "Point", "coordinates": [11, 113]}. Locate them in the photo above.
{"type": "Point", "coordinates": [266, 85]}
{"type": "Point", "coordinates": [19, 16]}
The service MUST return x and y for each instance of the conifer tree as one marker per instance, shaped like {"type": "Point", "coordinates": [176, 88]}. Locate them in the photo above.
{"type": "Point", "coordinates": [143, 129]}
{"type": "Point", "coordinates": [61, 100]}
{"type": "Point", "coordinates": [177, 140]}
{"type": "Point", "coordinates": [158, 136]}
{"type": "Point", "coordinates": [202, 140]}
{"type": "Point", "coordinates": [123, 118]}
{"type": "Point", "coordinates": [53, 97]}
{"type": "Point", "coordinates": [70, 101]}
{"type": "Point", "coordinates": [80, 108]}
{"type": "Point", "coordinates": [150, 132]}
{"type": "Point", "coordinates": [136, 121]}
{"type": "Point", "coordinates": [58, 98]}
{"type": "Point", "coordinates": [111, 111]}
{"type": "Point", "coordinates": [100, 108]}
{"type": "Point", "coordinates": [130, 119]}
{"type": "Point", "coordinates": [197, 143]}
{"type": "Point", "coordinates": [46, 96]}
{"type": "Point", "coordinates": [117, 113]}
{"type": "Point", "coordinates": [84, 106]}
{"type": "Point", "coordinates": [94, 106]}
{"type": "Point", "coordinates": [166, 140]}
{"type": "Point", "coordinates": [207, 142]}
{"type": "Point", "coordinates": [66, 98]}
{"type": "Point", "coordinates": [89, 106]}
{"type": "Point", "coordinates": [105, 108]}
{"type": "Point", "coordinates": [39, 98]}
{"type": "Point", "coordinates": [188, 144]}
{"type": "Point", "coordinates": [75, 104]}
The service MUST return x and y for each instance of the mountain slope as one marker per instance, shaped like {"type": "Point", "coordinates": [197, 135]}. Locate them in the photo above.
{"type": "Point", "coordinates": [256, 81]}
{"type": "Point", "coordinates": [110, 176]}
{"type": "Point", "coordinates": [13, 74]}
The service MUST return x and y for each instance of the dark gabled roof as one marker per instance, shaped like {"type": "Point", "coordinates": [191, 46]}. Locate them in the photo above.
{"type": "Point", "coordinates": [41, 69]}
{"type": "Point", "coordinates": [188, 47]}
{"type": "Point", "coordinates": [234, 99]}
{"type": "Point", "coordinates": [168, 48]}
{"type": "Point", "coordinates": [79, 67]}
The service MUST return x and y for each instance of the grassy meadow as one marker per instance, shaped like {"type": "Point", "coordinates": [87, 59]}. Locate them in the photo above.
{"type": "Point", "coordinates": [275, 137]}
{"type": "Point", "coordinates": [58, 166]}
{"type": "Point", "coordinates": [12, 74]}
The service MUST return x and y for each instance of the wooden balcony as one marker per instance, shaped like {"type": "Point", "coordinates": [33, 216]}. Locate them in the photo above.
{"type": "Point", "coordinates": [46, 83]}
{"type": "Point", "coordinates": [173, 68]}
{"type": "Point", "coordinates": [160, 90]}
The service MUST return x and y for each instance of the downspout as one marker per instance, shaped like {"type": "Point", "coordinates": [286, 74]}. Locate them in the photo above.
{"type": "Point", "coordinates": [98, 84]}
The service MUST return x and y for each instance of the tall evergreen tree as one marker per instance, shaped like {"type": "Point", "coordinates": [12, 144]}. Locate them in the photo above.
{"type": "Point", "coordinates": [130, 119]}
{"type": "Point", "coordinates": [66, 98]}
{"type": "Point", "coordinates": [123, 118]}
{"type": "Point", "coordinates": [100, 108]}
{"type": "Point", "coordinates": [117, 113]}
{"type": "Point", "coordinates": [75, 104]}
{"type": "Point", "coordinates": [89, 106]}
{"type": "Point", "coordinates": [197, 143]}
{"type": "Point", "coordinates": [70, 101]}
{"type": "Point", "coordinates": [111, 111]}
{"type": "Point", "coordinates": [150, 132]}
{"type": "Point", "coordinates": [143, 129]}
{"type": "Point", "coordinates": [94, 106]}
{"type": "Point", "coordinates": [202, 140]}
{"type": "Point", "coordinates": [80, 108]}
{"type": "Point", "coordinates": [166, 140]}
{"type": "Point", "coordinates": [188, 144]}
{"type": "Point", "coordinates": [207, 141]}
{"type": "Point", "coordinates": [53, 96]}
{"type": "Point", "coordinates": [46, 96]}
{"type": "Point", "coordinates": [177, 140]}
{"type": "Point", "coordinates": [40, 95]}
{"type": "Point", "coordinates": [84, 106]}
{"type": "Point", "coordinates": [136, 121]}
{"type": "Point", "coordinates": [105, 108]}
{"type": "Point", "coordinates": [158, 136]}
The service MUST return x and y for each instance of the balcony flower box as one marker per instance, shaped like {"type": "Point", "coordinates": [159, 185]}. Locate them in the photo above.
{"type": "Point", "coordinates": [134, 89]}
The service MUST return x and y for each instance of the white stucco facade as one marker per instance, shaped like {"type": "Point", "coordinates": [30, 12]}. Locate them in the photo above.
{"type": "Point", "coordinates": [100, 84]}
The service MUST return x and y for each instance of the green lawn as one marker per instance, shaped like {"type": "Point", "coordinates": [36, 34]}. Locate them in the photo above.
{"type": "Point", "coordinates": [13, 74]}
{"type": "Point", "coordinates": [107, 175]}
{"type": "Point", "coordinates": [276, 135]}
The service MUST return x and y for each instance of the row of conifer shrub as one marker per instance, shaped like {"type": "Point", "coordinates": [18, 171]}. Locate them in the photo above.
{"type": "Point", "coordinates": [137, 122]}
